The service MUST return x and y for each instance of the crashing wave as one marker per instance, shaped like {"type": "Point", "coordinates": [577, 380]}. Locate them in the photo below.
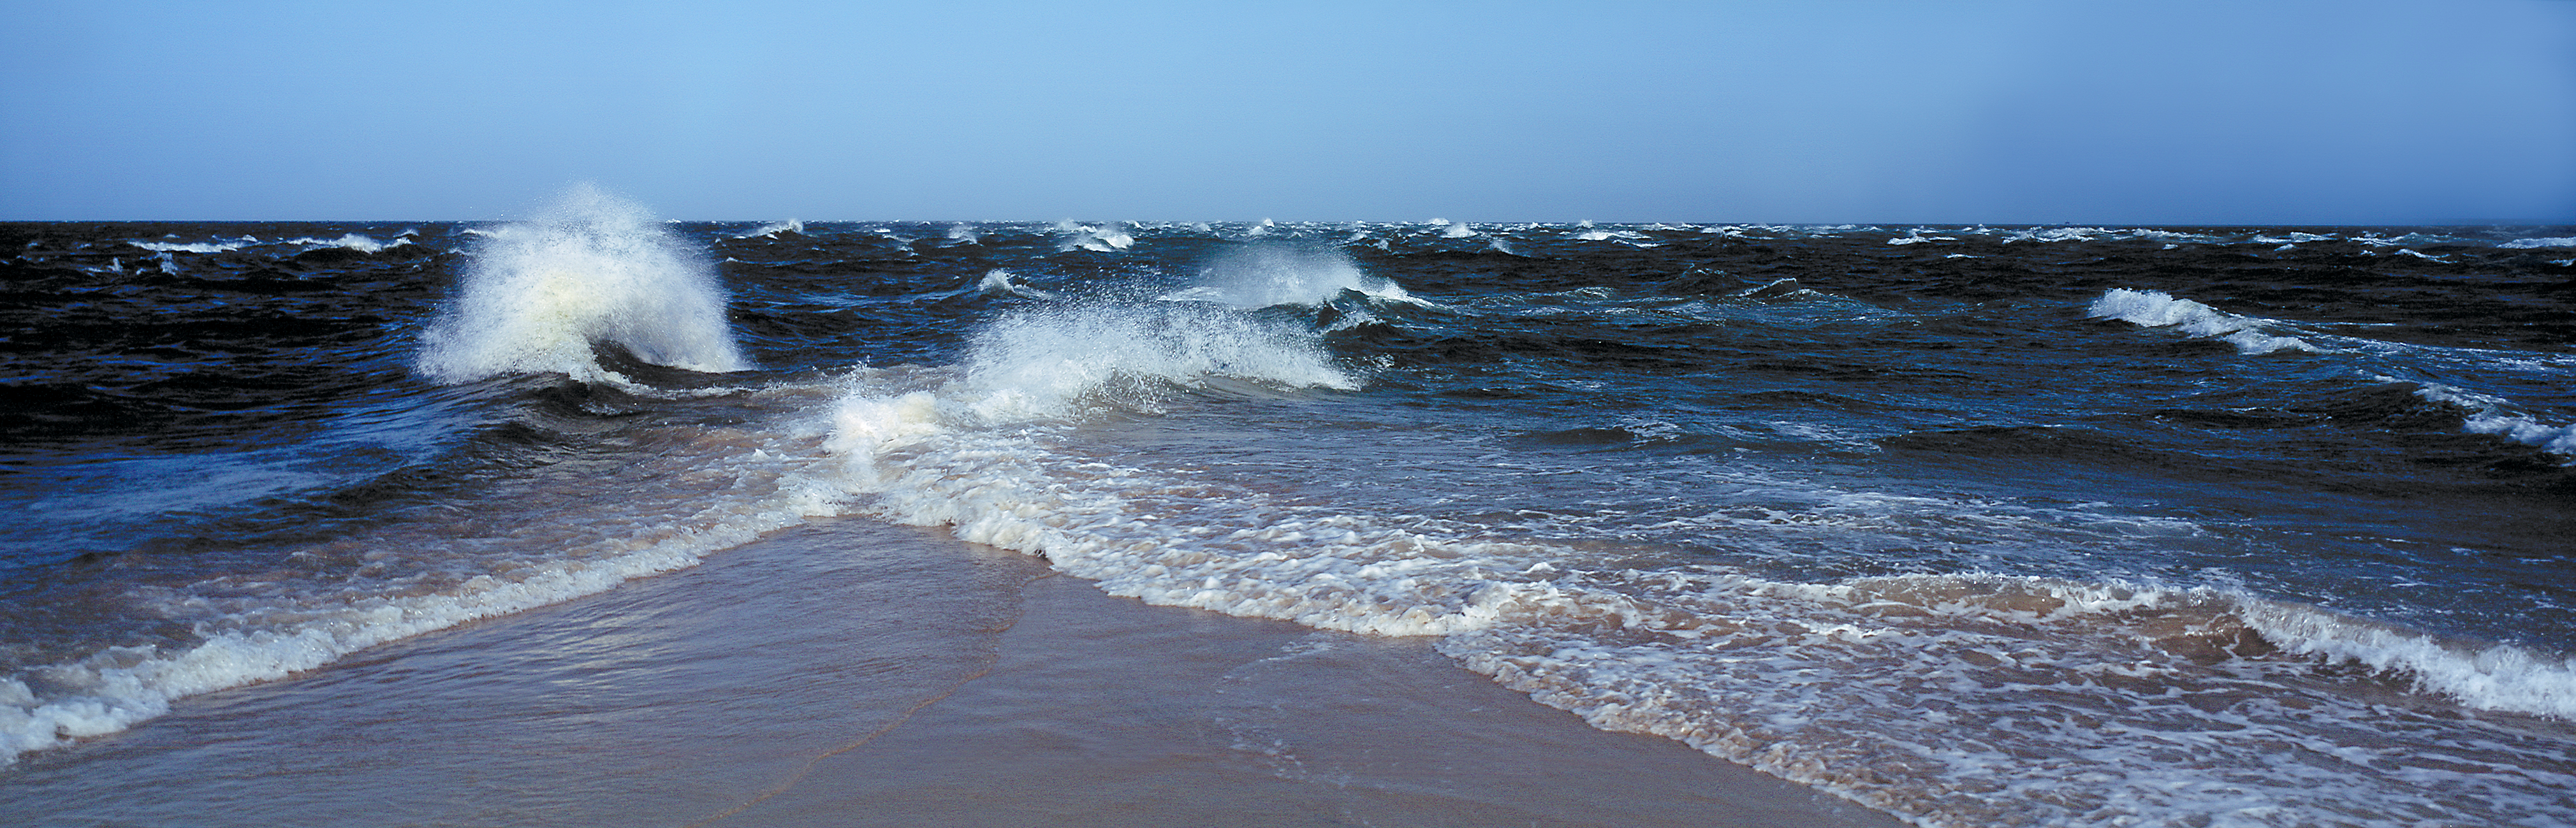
{"type": "Point", "coordinates": [593, 269]}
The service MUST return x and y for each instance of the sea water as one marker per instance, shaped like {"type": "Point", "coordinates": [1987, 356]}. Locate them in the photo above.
{"type": "Point", "coordinates": [1969, 525]}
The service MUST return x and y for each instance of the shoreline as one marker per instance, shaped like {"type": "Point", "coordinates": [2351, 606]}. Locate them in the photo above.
{"type": "Point", "coordinates": [849, 672]}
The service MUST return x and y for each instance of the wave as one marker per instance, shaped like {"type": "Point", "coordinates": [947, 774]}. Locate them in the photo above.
{"type": "Point", "coordinates": [1097, 238]}
{"type": "Point", "coordinates": [1916, 237]}
{"type": "Point", "coordinates": [998, 281]}
{"type": "Point", "coordinates": [2376, 240]}
{"type": "Point", "coordinates": [2489, 415]}
{"type": "Point", "coordinates": [117, 687]}
{"type": "Point", "coordinates": [1260, 276]}
{"type": "Point", "coordinates": [1982, 700]}
{"type": "Point", "coordinates": [773, 229]}
{"type": "Point", "coordinates": [565, 538]}
{"type": "Point", "coordinates": [1059, 361]}
{"type": "Point", "coordinates": [2157, 309]}
{"type": "Point", "coordinates": [354, 241]}
{"type": "Point", "coordinates": [2486, 414]}
{"type": "Point", "coordinates": [2527, 244]}
{"type": "Point", "coordinates": [593, 269]}
{"type": "Point", "coordinates": [2086, 234]}
{"type": "Point", "coordinates": [2291, 238]}
{"type": "Point", "coordinates": [197, 247]}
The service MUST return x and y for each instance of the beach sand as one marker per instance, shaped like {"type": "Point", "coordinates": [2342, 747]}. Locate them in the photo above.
{"type": "Point", "coordinates": [851, 673]}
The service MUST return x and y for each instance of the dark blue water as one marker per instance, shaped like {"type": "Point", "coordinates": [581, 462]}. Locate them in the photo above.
{"type": "Point", "coordinates": [2258, 526]}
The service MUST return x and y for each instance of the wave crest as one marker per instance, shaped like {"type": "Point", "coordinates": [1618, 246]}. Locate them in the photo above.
{"type": "Point", "coordinates": [2158, 309]}
{"type": "Point", "coordinates": [592, 269]}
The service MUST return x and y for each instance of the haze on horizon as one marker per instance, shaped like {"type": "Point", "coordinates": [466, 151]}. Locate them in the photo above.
{"type": "Point", "coordinates": [1880, 112]}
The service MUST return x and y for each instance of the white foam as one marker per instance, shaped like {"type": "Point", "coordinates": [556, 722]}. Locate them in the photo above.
{"type": "Point", "coordinates": [974, 453]}
{"type": "Point", "coordinates": [197, 247]}
{"type": "Point", "coordinates": [592, 268]}
{"type": "Point", "coordinates": [2056, 234]}
{"type": "Point", "coordinates": [1260, 276]}
{"type": "Point", "coordinates": [2402, 251]}
{"type": "Point", "coordinates": [736, 486]}
{"type": "Point", "coordinates": [2489, 415]}
{"type": "Point", "coordinates": [2481, 676]}
{"type": "Point", "coordinates": [1631, 238]}
{"type": "Point", "coordinates": [114, 689]}
{"type": "Point", "coordinates": [1051, 363]}
{"type": "Point", "coordinates": [1979, 700]}
{"type": "Point", "coordinates": [1162, 541]}
{"type": "Point", "coordinates": [998, 281]}
{"type": "Point", "coordinates": [772, 229]}
{"type": "Point", "coordinates": [353, 241]}
{"type": "Point", "coordinates": [2157, 309]}
{"type": "Point", "coordinates": [1459, 230]}
{"type": "Point", "coordinates": [2527, 244]}
{"type": "Point", "coordinates": [2485, 676]}
{"type": "Point", "coordinates": [1098, 238]}
{"type": "Point", "coordinates": [2059, 234]}
{"type": "Point", "coordinates": [2375, 240]}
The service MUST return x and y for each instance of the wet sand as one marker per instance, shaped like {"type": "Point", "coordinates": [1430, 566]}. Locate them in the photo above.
{"type": "Point", "coordinates": [853, 673]}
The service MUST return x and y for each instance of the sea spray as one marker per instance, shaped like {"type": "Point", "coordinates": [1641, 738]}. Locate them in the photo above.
{"type": "Point", "coordinates": [1055, 361]}
{"type": "Point", "coordinates": [591, 269]}
{"type": "Point", "coordinates": [1263, 275]}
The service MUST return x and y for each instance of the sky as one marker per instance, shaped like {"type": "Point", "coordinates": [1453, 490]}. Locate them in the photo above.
{"type": "Point", "coordinates": [2251, 112]}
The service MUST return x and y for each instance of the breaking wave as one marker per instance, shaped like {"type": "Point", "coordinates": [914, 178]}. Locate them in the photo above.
{"type": "Point", "coordinates": [593, 269]}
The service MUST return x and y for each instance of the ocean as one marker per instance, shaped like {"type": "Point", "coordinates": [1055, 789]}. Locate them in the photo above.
{"type": "Point", "coordinates": [1946, 525]}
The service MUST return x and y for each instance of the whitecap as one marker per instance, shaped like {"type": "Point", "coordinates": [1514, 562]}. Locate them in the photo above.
{"type": "Point", "coordinates": [1098, 238]}
{"type": "Point", "coordinates": [2157, 309]}
{"type": "Point", "coordinates": [1260, 276]}
{"type": "Point", "coordinates": [2494, 416]}
{"type": "Point", "coordinates": [592, 269]}
{"type": "Point", "coordinates": [197, 247]}
{"type": "Point", "coordinates": [999, 281]}
{"type": "Point", "coordinates": [355, 242]}
{"type": "Point", "coordinates": [772, 229]}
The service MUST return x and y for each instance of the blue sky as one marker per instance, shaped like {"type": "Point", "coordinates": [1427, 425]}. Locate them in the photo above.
{"type": "Point", "coordinates": [2029, 112]}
